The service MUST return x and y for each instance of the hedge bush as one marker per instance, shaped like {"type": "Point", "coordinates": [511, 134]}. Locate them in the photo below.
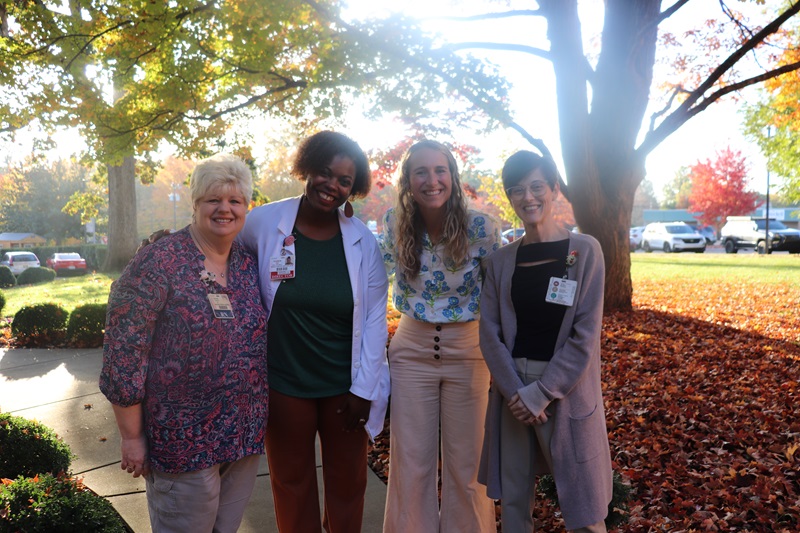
{"type": "Point", "coordinates": [33, 275]}
{"type": "Point", "coordinates": [47, 504]}
{"type": "Point", "coordinates": [2, 302]}
{"type": "Point", "coordinates": [28, 448]}
{"type": "Point", "coordinates": [39, 324]}
{"type": "Point", "coordinates": [7, 278]}
{"type": "Point", "coordinates": [86, 324]}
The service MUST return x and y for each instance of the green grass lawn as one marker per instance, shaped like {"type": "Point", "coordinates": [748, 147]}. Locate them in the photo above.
{"type": "Point", "coordinates": [782, 269]}
{"type": "Point", "coordinates": [68, 292]}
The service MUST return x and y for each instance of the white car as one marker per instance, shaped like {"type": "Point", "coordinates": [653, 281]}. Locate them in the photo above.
{"type": "Point", "coordinates": [672, 237]}
{"type": "Point", "coordinates": [19, 261]}
{"type": "Point", "coordinates": [635, 236]}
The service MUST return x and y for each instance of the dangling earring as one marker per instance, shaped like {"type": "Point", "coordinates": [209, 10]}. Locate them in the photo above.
{"type": "Point", "coordinates": [348, 209]}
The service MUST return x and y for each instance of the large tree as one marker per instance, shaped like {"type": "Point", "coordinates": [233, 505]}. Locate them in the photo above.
{"type": "Point", "coordinates": [130, 75]}
{"type": "Point", "coordinates": [603, 96]}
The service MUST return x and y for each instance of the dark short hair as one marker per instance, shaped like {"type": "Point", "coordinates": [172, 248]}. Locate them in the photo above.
{"type": "Point", "coordinates": [317, 152]}
{"type": "Point", "coordinates": [522, 163]}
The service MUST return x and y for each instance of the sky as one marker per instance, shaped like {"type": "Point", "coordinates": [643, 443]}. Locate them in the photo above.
{"type": "Point", "coordinates": [532, 93]}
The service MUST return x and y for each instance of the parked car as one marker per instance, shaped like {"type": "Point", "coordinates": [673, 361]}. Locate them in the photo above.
{"type": "Point", "coordinates": [709, 233]}
{"type": "Point", "coordinates": [64, 263]}
{"type": "Point", "coordinates": [672, 237]}
{"type": "Point", "coordinates": [751, 232]}
{"type": "Point", "coordinates": [19, 261]}
{"type": "Point", "coordinates": [512, 234]}
{"type": "Point", "coordinates": [635, 234]}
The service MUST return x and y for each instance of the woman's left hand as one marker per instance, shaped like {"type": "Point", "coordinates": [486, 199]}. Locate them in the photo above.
{"type": "Point", "coordinates": [355, 411]}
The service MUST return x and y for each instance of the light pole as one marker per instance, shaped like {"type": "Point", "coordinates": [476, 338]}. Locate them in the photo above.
{"type": "Point", "coordinates": [768, 241]}
{"type": "Point", "coordinates": [174, 197]}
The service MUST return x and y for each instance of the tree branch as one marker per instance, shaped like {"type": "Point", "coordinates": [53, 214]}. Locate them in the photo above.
{"type": "Point", "coordinates": [734, 58]}
{"type": "Point", "coordinates": [682, 115]}
{"type": "Point", "coordinates": [676, 91]}
{"type": "Point", "coordinates": [671, 10]}
{"type": "Point", "coordinates": [507, 47]}
{"type": "Point", "coordinates": [493, 16]}
{"type": "Point", "coordinates": [686, 110]}
{"type": "Point", "coordinates": [93, 38]}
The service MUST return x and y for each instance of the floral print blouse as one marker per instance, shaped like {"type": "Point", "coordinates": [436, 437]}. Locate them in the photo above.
{"type": "Point", "coordinates": [443, 292]}
{"type": "Point", "coordinates": [202, 381]}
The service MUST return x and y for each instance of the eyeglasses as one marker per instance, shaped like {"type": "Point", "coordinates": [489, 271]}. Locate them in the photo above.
{"type": "Point", "coordinates": [537, 188]}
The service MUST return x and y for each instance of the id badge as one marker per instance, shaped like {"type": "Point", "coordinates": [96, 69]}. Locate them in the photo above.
{"type": "Point", "coordinates": [561, 291]}
{"type": "Point", "coordinates": [282, 267]}
{"type": "Point", "coordinates": [221, 306]}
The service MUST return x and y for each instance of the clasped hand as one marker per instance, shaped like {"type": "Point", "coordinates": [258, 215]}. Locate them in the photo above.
{"type": "Point", "coordinates": [523, 414]}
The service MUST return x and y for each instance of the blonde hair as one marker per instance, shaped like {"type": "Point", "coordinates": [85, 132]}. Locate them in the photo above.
{"type": "Point", "coordinates": [219, 170]}
{"type": "Point", "coordinates": [409, 226]}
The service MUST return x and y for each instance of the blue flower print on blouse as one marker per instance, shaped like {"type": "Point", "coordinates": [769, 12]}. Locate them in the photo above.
{"type": "Point", "coordinates": [443, 291]}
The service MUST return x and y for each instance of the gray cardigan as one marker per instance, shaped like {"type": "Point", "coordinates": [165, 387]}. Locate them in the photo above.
{"type": "Point", "coordinates": [570, 387]}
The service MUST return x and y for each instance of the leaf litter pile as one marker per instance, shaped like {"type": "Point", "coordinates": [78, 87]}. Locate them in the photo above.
{"type": "Point", "coordinates": [701, 392]}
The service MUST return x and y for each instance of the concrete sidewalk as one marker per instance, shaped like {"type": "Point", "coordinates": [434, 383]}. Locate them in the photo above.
{"type": "Point", "coordinates": [59, 389]}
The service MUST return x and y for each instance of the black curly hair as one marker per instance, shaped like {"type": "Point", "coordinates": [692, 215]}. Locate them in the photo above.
{"type": "Point", "coordinates": [317, 151]}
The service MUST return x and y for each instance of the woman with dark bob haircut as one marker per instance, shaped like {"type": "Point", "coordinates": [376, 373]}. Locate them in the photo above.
{"type": "Point", "coordinates": [325, 289]}
{"type": "Point", "coordinates": [541, 314]}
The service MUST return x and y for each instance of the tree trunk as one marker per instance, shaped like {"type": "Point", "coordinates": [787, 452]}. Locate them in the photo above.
{"type": "Point", "coordinates": [598, 139]}
{"type": "Point", "coordinates": [607, 217]}
{"type": "Point", "coordinates": [123, 236]}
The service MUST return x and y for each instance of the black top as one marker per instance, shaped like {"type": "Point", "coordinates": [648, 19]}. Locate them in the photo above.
{"type": "Point", "coordinates": [538, 321]}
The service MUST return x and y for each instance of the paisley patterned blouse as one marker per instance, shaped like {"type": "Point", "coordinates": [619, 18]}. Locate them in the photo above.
{"type": "Point", "coordinates": [202, 381]}
{"type": "Point", "coordinates": [443, 292]}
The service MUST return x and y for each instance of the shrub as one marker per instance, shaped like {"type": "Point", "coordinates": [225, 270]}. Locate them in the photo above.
{"type": "Point", "coordinates": [617, 507]}
{"type": "Point", "coordinates": [7, 278]}
{"type": "Point", "coordinates": [28, 448]}
{"type": "Point", "coordinates": [50, 504]}
{"type": "Point", "coordinates": [86, 325]}
{"type": "Point", "coordinates": [40, 323]}
{"type": "Point", "coordinates": [33, 275]}
{"type": "Point", "coordinates": [2, 302]}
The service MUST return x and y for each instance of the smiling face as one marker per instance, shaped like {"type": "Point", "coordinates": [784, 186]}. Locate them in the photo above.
{"type": "Point", "coordinates": [534, 209]}
{"type": "Point", "coordinates": [430, 180]}
{"type": "Point", "coordinates": [220, 213]}
{"type": "Point", "coordinates": [329, 189]}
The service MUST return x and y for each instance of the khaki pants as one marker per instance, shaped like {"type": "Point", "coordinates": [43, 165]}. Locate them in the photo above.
{"type": "Point", "coordinates": [439, 379]}
{"type": "Point", "coordinates": [202, 501]}
{"type": "Point", "coordinates": [517, 445]}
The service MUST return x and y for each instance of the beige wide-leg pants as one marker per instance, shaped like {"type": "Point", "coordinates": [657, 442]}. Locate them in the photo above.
{"type": "Point", "coordinates": [439, 378]}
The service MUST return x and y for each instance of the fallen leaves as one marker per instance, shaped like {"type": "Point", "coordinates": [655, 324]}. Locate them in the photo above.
{"type": "Point", "coordinates": [702, 408]}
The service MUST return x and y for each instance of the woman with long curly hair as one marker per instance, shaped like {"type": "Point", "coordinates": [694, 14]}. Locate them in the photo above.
{"type": "Point", "coordinates": [434, 246]}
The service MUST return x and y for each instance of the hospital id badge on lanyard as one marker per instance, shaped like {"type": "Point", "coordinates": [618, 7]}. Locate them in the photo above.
{"type": "Point", "coordinates": [283, 266]}
{"type": "Point", "coordinates": [561, 291]}
{"type": "Point", "coordinates": [221, 305]}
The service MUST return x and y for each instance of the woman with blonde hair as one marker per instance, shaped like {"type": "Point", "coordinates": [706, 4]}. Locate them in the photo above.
{"type": "Point", "coordinates": [185, 362]}
{"type": "Point", "coordinates": [434, 245]}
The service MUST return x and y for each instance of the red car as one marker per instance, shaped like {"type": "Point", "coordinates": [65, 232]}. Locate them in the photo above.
{"type": "Point", "coordinates": [64, 263]}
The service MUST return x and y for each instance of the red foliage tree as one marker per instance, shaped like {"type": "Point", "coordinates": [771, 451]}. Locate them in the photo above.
{"type": "Point", "coordinates": [719, 188]}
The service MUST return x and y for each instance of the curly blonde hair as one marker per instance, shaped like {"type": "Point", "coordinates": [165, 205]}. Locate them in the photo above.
{"type": "Point", "coordinates": [409, 227]}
